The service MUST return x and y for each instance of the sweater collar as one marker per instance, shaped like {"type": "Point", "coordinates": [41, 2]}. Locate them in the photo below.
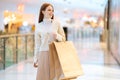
{"type": "Point", "coordinates": [47, 20]}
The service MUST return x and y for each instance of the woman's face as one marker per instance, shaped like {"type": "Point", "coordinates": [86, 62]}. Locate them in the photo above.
{"type": "Point", "coordinates": [48, 13]}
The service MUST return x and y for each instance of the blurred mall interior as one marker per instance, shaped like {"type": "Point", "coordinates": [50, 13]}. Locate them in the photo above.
{"type": "Point", "coordinates": [92, 25]}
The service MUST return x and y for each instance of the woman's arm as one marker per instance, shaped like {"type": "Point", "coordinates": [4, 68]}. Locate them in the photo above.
{"type": "Point", "coordinates": [60, 33]}
{"type": "Point", "coordinates": [37, 38]}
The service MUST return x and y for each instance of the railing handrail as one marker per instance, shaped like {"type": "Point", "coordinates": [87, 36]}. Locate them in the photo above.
{"type": "Point", "coordinates": [24, 37]}
{"type": "Point", "coordinates": [14, 35]}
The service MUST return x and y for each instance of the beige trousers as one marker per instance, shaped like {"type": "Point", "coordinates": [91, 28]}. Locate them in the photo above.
{"type": "Point", "coordinates": [43, 72]}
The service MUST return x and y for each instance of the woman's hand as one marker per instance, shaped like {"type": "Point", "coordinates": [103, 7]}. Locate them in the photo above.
{"type": "Point", "coordinates": [35, 65]}
{"type": "Point", "coordinates": [54, 35]}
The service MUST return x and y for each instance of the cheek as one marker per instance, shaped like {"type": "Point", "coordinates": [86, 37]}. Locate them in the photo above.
{"type": "Point", "coordinates": [50, 14]}
{"type": "Point", "coordinates": [46, 14]}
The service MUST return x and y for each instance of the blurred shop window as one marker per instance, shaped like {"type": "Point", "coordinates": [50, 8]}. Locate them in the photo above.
{"type": "Point", "coordinates": [25, 28]}
{"type": "Point", "coordinates": [14, 28]}
{"type": "Point", "coordinates": [17, 22]}
{"type": "Point", "coordinates": [6, 27]}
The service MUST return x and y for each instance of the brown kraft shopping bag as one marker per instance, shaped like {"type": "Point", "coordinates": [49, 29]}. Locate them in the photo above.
{"type": "Point", "coordinates": [65, 61]}
{"type": "Point", "coordinates": [55, 68]}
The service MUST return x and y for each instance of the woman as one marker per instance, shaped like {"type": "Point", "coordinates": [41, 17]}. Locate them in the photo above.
{"type": "Point", "coordinates": [47, 30]}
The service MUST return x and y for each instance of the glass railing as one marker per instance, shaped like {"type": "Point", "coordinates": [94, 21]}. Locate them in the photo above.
{"type": "Point", "coordinates": [15, 48]}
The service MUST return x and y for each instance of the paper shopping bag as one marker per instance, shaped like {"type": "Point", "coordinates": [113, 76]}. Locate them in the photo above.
{"type": "Point", "coordinates": [52, 63]}
{"type": "Point", "coordinates": [55, 67]}
{"type": "Point", "coordinates": [66, 60]}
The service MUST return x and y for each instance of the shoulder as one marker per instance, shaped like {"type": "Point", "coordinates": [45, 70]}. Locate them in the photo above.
{"type": "Point", "coordinates": [37, 26]}
{"type": "Point", "coordinates": [56, 22]}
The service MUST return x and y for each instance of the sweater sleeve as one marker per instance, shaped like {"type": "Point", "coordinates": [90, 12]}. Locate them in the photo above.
{"type": "Point", "coordinates": [37, 38]}
{"type": "Point", "coordinates": [60, 33]}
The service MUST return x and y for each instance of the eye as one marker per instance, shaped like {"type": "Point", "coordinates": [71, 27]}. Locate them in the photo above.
{"type": "Point", "coordinates": [50, 10]}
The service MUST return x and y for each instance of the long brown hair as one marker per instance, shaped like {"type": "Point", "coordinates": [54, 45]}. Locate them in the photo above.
{"type": "Point", "coordinates": [43, 8]}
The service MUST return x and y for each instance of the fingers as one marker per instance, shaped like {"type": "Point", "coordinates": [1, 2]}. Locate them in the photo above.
{"type": "Point", "coordinates": [35, 65]}
{"type": "Point", "coordinates": [54, 35]}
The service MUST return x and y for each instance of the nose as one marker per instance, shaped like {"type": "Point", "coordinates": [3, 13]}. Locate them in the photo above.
{"type": "Point", "coordinates": [51, 12]}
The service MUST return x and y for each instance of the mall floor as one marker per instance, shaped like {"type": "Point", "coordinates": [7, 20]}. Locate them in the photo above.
{"type": "Point", "coordinates": [97, 64]}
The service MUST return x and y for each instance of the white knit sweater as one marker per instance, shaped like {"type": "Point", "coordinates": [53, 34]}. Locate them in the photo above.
{"type": "Point", "coordinates": [43, 35]}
